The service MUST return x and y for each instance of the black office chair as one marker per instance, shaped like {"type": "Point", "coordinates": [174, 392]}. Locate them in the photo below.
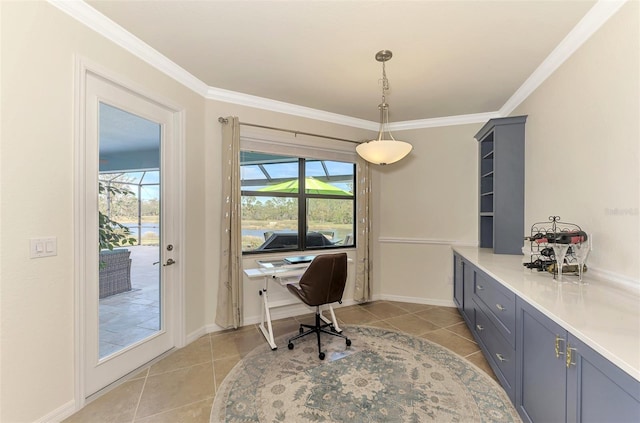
{"type": "Point", "coordinates": [322, 283]}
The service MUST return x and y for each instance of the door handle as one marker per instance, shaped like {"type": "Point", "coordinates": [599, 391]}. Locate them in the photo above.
{"type": "Point", "coordinates": [169, 262]}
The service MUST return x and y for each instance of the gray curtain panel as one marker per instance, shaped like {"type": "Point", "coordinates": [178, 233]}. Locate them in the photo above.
{"type": "Point", "coordinates": [229, 309]}
{"type": "Point", "coordinates": [362, 292]}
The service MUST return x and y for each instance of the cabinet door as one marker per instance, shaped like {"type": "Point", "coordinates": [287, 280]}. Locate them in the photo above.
{"type": "Point", "coordinates": [458, 271]}
{"type": "Point", "coordinates": [541, 373]}
{"type": "Point", "coordinates": [469, 278]}
{"type": "Point", "coordinates": [597, 390]}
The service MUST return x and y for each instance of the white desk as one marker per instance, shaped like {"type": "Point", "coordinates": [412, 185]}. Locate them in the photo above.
{"type": "Point", "coordinates": [278, 271]}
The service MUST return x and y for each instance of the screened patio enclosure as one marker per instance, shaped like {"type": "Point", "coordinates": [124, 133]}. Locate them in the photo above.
{"type": "Point", "coordinates": [296, 203]}
{"type": "Point", "coordinates": [139, 208]}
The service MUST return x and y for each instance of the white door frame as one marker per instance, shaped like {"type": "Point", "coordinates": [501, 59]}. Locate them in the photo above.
{"type": "Point", "coordinates": [83, 67]}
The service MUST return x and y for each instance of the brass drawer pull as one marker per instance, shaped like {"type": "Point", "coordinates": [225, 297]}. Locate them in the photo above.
{"type": "Point", "coordinates": [500, 307]}
{"type": "Point", "coordinates": [558, 350]}
{"type": "Point", "coordinates": [501, 357]}
{"type": "Point", "coordinates": [570, 352]}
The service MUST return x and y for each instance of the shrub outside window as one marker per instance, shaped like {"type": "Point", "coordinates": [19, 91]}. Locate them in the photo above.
{"type": "Point", "coordinates": [279, 215]}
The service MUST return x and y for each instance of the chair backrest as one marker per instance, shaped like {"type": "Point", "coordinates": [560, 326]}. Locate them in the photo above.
{"type": "Point", "coordinates": [324, 280]}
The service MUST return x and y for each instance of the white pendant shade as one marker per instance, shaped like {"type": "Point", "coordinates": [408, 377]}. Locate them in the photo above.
{"type": "Point", "coordinates": [383, 152]}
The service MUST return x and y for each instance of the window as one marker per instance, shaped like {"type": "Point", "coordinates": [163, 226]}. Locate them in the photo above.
{"type": "Point", "coordinates": [292, 203]}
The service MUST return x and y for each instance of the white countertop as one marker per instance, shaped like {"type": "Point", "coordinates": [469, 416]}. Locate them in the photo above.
{"type": "Point", "coordinates": [603, 315]}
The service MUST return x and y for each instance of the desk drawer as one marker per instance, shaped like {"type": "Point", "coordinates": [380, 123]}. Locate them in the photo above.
{"type": "Point", "coordinates": [498, 352]}
{"type": "Point", "coordinates": [498, 303]}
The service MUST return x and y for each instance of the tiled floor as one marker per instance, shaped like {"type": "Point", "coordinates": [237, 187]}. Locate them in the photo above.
{"type": "Point", "coordinates": [130, 316]}
{"type": "Point", "coordinates": [181, 387]}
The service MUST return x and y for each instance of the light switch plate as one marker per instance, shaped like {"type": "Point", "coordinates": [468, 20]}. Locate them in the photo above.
{"type": "Point", "coordinates": [43, 247]}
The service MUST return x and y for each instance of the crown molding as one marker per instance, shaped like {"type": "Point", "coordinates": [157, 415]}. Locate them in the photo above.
{"type": "Point", "coordinates": [104, 26]}
{"type": "Point", "coordinates": [96, 21]}
{"type": "Point", "coordinates": [588, 25]}
{"type": "Point", "coordinates": [443, 121]}
{"type": "Point", "coordinates": [234, 97]}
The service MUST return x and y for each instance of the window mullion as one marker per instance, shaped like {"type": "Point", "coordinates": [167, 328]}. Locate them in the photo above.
{"type": "Point", "coordinates": [302, 206]}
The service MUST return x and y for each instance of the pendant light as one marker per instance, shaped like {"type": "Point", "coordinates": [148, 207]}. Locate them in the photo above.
{"type": "Point", "coordinates": [384, 150]}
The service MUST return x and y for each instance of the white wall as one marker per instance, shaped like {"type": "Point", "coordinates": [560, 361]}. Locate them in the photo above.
{"type": "Point", "coordinates": [427, 202]}
{"type": "Point", "coordinates": [37, 172]}
{"type": "Point", "coordinates": [582, 145]}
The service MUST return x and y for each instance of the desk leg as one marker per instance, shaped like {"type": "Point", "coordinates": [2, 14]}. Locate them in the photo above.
{"type": "Point", "coordinates": [333, 320]}
{"type": "Point", "coordinates": [266, 318]}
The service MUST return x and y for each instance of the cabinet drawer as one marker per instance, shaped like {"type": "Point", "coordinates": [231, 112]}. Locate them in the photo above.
{"type": "Point", "coordinates": [498, 303]}
{"type": "Point", "coordinates": [500, 354]}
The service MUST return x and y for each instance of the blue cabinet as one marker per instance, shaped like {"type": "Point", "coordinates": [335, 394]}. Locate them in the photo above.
{"type": "Point", "coordinates": [458, 281]}
{"type": "Point", "coordinates": [540, 374]}
{"type": "Point", "coordinates": [463, 286]}
{"type": "Point", "coordinates": [559, 378]}
{"type": "Point", "coordinates": [501, 184]}
{"type": "Point", "coordinates": [549, 374]}
{"type": "Point", "coordinates": [597, 390]}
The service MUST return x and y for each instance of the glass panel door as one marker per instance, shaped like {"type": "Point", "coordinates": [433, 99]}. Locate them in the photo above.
{"type": "Point", "coordinates": [129, 260]}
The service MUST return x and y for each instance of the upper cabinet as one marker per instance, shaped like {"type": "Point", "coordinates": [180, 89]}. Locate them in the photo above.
{"type": "Point", "coordinates": [501, 180]}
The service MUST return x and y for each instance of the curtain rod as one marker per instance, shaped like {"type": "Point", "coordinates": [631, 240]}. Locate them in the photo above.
{"type": "Point", "coordinates": [223, 120]}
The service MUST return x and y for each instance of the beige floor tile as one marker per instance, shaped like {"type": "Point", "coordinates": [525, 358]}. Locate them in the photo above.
{"type": "Point", "coordinates": [197, 352]}
{"type": "Point", "coordinates": [118, 405]}
{"type": "Point", "coordinates": [181, 387]}
{"type": "Point", "coordinates": [382, 324]}
{"type": "Point", "coordinates": [462, 330]}
{"type": "Point", "coordinates": [306, 319]}
{"type": "Point", "coordinates": [450, 340]}
{"type": "Point", "coordinates": [166, 391]}
{"type": "Point", "coordinates": [284, 327]}
{"type": "Point", "coordinates": [222, 367]}
{"type": "Point", "coordinates": [441, 316]}
{"type": "Point", "coordinates": [233, 343]}
{"type": "Point", "coordinates": [383, 309]}
{"type": "Point", "coordinates": [412, 324]}
{"type": "Point", "coordinates": [355, 315]}
{"type": "Point", "coordinates": [478, 359]}
{"type": "Point", "coordinates": [411, 307]}
{"type": "Point", "coordinates": [198, 412]}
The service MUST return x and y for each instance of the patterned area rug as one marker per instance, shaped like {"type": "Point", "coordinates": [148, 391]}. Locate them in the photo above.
{"type": "Point", "coordinates": [384, 376]}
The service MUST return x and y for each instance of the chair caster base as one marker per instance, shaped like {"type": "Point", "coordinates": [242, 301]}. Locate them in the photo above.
{"type": "Point", "coordinates": [290, 346]}
{"type": "Point", "coordinates": [321, 356]}
{"type": "Point", "coordinates": [348, 341]}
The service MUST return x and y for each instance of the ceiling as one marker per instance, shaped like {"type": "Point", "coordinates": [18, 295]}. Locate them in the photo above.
{"type": "Point", "coordinates": [450, 58]}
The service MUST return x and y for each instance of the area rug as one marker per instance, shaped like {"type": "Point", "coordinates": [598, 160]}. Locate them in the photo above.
{"type": "Point", "coordinates": [384, 376]}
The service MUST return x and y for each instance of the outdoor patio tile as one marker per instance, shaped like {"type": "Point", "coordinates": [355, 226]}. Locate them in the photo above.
{"type": "Point", "coordinates": [152, 323]}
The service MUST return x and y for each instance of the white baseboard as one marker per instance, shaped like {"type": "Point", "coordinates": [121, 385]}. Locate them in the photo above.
{"type": "Point", "coordinates": [59, 414]}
